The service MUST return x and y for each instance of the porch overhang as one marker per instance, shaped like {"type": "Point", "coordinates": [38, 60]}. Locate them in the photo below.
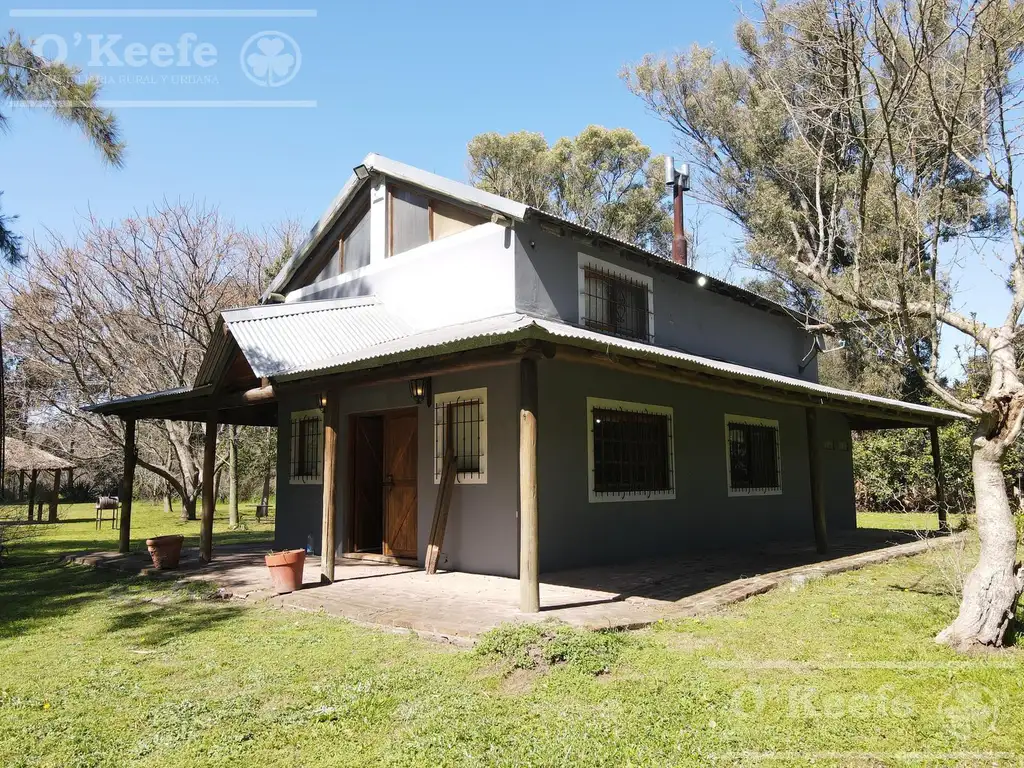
{"type": "Point", "coordinates": [505, 337]}
{"type": "Point", "coordinates": [254, 407]}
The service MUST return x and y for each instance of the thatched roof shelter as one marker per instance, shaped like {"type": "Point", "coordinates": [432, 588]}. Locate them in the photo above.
{"type": "Point", "coordinates": [19, 455]}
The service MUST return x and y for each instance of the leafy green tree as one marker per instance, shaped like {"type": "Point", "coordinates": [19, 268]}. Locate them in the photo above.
{"type": "Point", "coordinates": [858, 142]}
{"type": "Point", "coordinates": [604, 179]}
{"type": "Point", "coordinates": [28, 79]}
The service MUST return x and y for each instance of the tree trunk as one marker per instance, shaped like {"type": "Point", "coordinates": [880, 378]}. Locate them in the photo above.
{"type": "Point", "coordinates": [992, 588]}
{"type": "Point", "coordinates": [167, 501]}
{"type": "Point", "coordinates": [188, 508]}
{"type": "Point", "coordinates": [233, 476]}
{"type": "Point", "coordinates": [265, 498]}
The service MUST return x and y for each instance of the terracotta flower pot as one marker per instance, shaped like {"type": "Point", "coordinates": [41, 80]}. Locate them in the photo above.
{"type": "Point", "coordinates": [286, 569]}
{"type": "Point", "coordinates": [165, 551]}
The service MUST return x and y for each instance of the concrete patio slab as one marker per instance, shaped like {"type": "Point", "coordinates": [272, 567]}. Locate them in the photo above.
{"type": "Point", "coordinates": [458, 607]}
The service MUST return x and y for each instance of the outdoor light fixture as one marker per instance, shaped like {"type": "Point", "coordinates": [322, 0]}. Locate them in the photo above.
{"type": "Point", "coordinates": [702, 281]}
{"type": "Point", "coordinates": [323, 401]}
{"type": "Point", "coordinates": [361, 172]}
{"type": "Point", "coordinates": [419, 389]}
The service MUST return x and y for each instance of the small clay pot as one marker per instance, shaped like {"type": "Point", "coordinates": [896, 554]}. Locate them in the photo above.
{"type": "Point", "coordinates": [286, 569]}
{"type": "Point", "coordinates": [165, 551]}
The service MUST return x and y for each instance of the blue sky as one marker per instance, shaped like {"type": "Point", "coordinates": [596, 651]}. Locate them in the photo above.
{"type": "Point", "coordinates": [411, 80]}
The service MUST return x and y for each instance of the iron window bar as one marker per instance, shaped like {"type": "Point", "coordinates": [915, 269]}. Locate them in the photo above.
{"type": "Point", "coordinates": [305, 448]}
{"type": "Point", "coordinates": [632, 452]}
{"type": "Point", "coordinates": [459, 422]}
{"type": "Point", "coordinates": [616, 304]}
{"type": "Point", "coordinates": [754, 458]}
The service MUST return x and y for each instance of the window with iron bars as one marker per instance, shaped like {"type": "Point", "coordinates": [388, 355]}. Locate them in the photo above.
{"type": "Point", "coordinates": [306, 455]}
{"type": "Point", "coordinates": [631, 451]}
{"type": "Point", "coordinates": [754, 455]}
{"type": "Point", "coordinates": [615, 300]}
{"type": "Point", "coordinates": [460, 420]}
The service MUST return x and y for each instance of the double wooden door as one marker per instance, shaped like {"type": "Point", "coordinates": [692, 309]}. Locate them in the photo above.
{"type": "Point", "coordinates": [385, 493]}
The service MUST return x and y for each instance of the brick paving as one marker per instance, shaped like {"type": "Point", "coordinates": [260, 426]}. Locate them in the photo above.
{"type": "Point", "coordinates": [458, 607]}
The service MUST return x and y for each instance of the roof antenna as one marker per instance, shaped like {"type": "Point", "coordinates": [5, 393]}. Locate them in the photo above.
{"type": "Point", "coordinates": [678, 182]}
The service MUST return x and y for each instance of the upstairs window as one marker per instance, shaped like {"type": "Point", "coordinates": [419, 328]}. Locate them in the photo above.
{"type": "Point", "coordinates": [630, 451]}
{"type": "Point", "coordinates": [353, 250]}
{"type": "Point", "coordinates": [754, 456]}
{"type": "Point", "coordinates": [306, 455]}
{"type": "Point", "coordinates": [354, 245]}
{"type": "Point", "coordinates": [616, 301]}
{"type": "Point", "coordinates": [416, 220]}
{"type": "Point", "coordinates": [460, 420]}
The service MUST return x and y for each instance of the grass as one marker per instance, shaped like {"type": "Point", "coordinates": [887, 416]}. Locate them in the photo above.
{"type": "Point", "coordinates": [78, 531]}
{"type": "Point", "coordinates": [910, 521]}
{"type": "Point", "coordinates": [103, 671]}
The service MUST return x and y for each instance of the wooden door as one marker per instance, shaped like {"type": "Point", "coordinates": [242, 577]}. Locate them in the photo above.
{"type": "Point", "coordinates": [400, 483]}
{"type": "Point", "coordinates": [367, 484]}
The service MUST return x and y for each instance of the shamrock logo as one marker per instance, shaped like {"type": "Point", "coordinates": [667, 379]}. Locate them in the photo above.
{"type": "Point", "coordinates": [271, 59]}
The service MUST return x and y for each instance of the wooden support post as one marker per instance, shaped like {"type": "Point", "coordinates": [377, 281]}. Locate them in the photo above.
{"type": "Point", "coordinates": [209, 489]}
{"type": "Point", "coordinates": [940, 483]}
{"type": "Point", "coordinates": [127, 486]}
{"type": "Point", "coordinates": [54, 496]}
{"type": "Point", "coordinates": [529, 547]}
{"type": "Point", "coordinates": [817, 481]}
{"type": "Point", "coordinates": [328, 526]}
{"type": "Point", "coordinates": [32, 483]}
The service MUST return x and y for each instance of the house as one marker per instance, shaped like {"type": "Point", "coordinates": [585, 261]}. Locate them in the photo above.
{"type": "Point", "coordinates": [587, 402]}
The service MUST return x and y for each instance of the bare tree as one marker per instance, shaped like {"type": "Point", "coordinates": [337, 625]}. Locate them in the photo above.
{"type": "Point", "coordinates": [129, 308]}
{"type": "Point", "coordinates": [869, 148]}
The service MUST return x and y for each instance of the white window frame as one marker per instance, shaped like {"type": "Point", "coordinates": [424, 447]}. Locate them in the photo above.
{"type": "Point", "coordinates": [298, 416]}
{"type": "Point", "coordinates": [585, 261]}
{"type": "Point", "coordinates": [759, 422]}
{"type": "Point", "coordinates": [444, 398]}
{"type": "Point", "coordinates": [599, 497]}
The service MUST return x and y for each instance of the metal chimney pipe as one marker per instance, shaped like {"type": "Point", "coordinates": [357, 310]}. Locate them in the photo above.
{"type": "Point", "coordinates": [678, 181]}
{"type": "Point", "coordinates": [679, 255]}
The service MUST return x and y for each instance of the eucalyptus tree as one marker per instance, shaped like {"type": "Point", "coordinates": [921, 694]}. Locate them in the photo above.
{"type": "Point", "coordinates": [870, 151]}
{"type": "Point", "coordinates": [604, 179]}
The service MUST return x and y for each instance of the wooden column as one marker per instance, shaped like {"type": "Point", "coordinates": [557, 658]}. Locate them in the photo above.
{"type": "Point", "coordinates": [327, 527]}
{"type": "Point", "coordinates": [209, 489]}
{"type": "Point", "coordinates": [817, 481]}
{"type": "Point", "coordinates": [529, 548]}
{"type": "Point", "coordinates": [54, 496]}
{"type": "Point", "coordinates": [940, 483]}
{"type": "Point", "coordinates": [32, 483]}
{"type": "Point", "coordinates": [127, 486]}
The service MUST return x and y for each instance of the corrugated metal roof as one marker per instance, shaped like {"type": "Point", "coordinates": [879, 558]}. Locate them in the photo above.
{"type": "Point", "coordinates": [284, 337]}
{"type": "Point", "coordinates": [457, 190]}
{"type": "Point", "coordinates": [511, 327]}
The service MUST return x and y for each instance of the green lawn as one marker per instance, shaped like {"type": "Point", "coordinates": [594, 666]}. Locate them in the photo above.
{"type": "Point", "coordinates": [909, 521]}
{"type": "Point", "coordinates": [104, 671]}
{"type": "Point", "coordinates": [78, 530]}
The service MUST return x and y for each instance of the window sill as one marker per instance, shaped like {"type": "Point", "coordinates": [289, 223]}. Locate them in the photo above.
{"type": "Point", "coordinates": [740, 493]}
{"type": "Point", "coordinates": [603, 497]}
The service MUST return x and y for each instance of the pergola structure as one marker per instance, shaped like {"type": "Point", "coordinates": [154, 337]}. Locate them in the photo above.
{"type": "Point", "coordinates": [24, 459]}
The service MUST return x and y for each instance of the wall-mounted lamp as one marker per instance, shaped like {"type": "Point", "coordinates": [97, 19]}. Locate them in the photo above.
{"type": "Point", "coordinates": [419, 390]}
{"type": "Point", "coordinates": [702, 281]}
{"type": "Point", "coordinates": [323, 401]}
{"type": "Point", "coordinates": [361, 172]}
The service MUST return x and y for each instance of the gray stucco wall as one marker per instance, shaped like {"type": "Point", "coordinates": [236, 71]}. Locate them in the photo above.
{"type": "Point", "coordinates": [575, 532]}
{"type": "Point", "coordinates": [482, 531]}
{"type": "Point", "coordinates": [686, 317]}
